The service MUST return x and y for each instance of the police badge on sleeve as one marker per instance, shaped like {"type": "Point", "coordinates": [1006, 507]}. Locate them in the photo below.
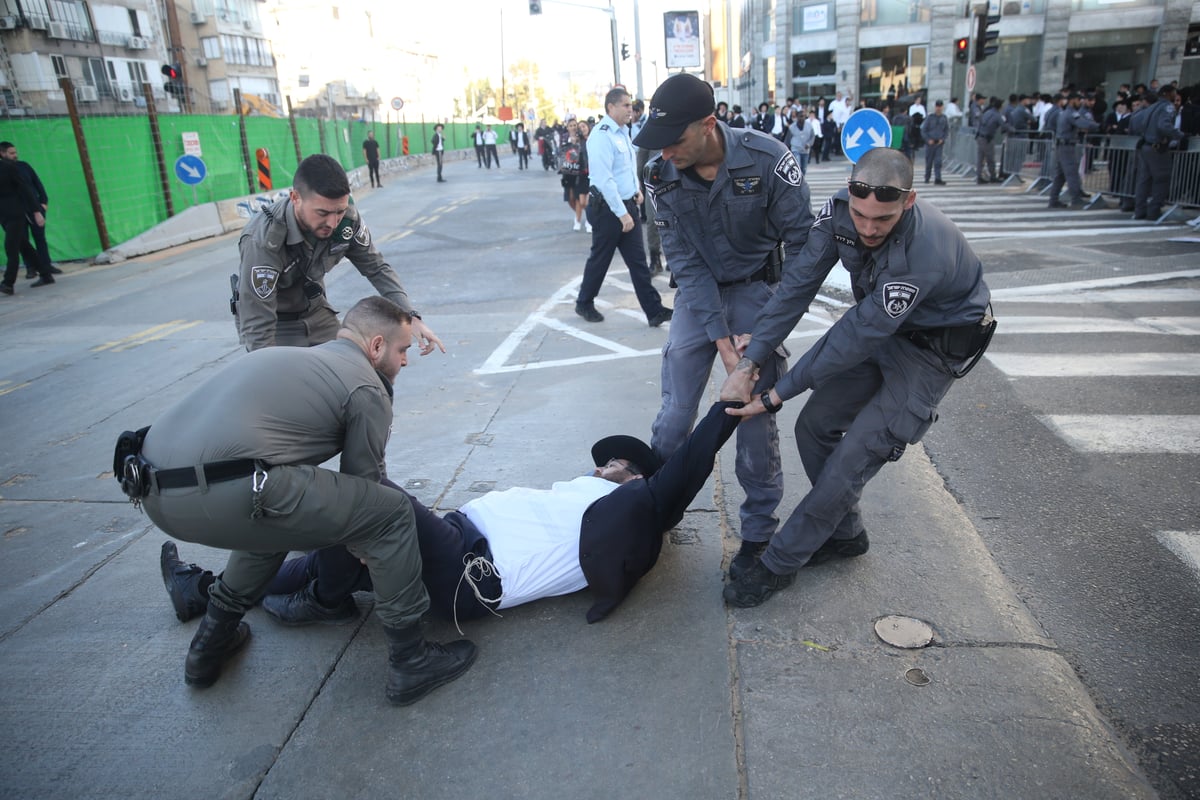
{"type": "Point", "coordinates": [898, 298]}
{"type": "Point", "coordinates": [789, 169]}
{"type": "Point", "coordinates": [263, 279]}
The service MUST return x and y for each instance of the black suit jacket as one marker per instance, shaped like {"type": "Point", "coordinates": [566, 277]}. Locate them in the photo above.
{"type": "Point", "coordinates": [621, 534]}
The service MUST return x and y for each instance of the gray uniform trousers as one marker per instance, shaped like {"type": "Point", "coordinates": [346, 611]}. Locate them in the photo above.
{"type": "Point", "coordinates": [849, 428]}
{"type": "Point", "coordinates": [1067, 169]}
{"type": "Point", "coordinates": [933, 161]}
{"type": "Point", "coordinates": [985, 153]}
{"type": "Point", "coordinates": [305, 508]}
{"type": "Point", "coordinates": [688, 357]}
{"type": "Point", "coordinates": [1153, 181]}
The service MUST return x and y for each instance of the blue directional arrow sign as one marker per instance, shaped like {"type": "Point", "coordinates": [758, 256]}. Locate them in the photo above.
{"type": "Point", "coordinates": [864, 130]}
{"type": "Point", "coordinates": [190, 169]}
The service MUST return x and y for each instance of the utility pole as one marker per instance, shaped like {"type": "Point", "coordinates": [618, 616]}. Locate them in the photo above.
{"type": "Point", "coordinates": [637, 46]}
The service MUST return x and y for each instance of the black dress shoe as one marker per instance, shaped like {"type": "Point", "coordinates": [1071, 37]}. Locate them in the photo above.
{"type": "Point", "coordinates": [30, 274]}
{"type": "Point", "coordinates": [661, 317]}
{"type": "Point", "coordinates": [589, 313]}
{"type": "Point", "coordinates": [939, 182]}
{"type": "Point", "coordinates": [839, 548]}
{"type": "Point", "coordinates": [6, 288]}
{"type": "Point", "coordinates": [45, 281]}
{"type": "Point", "coordinates": [55, 270]}
{"type": "Point", "coordinates": [303, 608]}
{"type": "Point", "coordinates": [1056, 204]}
{"type": "Point", "coordinates": [755, 586]}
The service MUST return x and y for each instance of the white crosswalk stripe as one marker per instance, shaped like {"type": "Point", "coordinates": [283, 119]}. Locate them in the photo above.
{"type": "Point", "coordinates": [994, 211]}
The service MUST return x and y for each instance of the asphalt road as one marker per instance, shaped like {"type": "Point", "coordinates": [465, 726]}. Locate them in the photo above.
{"type": "Point", "coordinates": [1092, 532]}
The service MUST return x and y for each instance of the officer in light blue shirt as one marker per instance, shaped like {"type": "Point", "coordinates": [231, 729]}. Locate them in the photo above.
{"type": "Point", "coordinates": [613, 213]}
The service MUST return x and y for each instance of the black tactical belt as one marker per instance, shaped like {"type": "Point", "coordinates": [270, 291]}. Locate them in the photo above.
{"type": "Point", "coordinates": [214, 472]}
{"type": "Point", "coordinates": [759, 275]}
{"type": "Point", "coordinates": [289, 316]}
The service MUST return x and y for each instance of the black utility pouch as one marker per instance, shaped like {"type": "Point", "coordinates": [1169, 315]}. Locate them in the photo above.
{"type": "Point", "coordinates": [129, 468]}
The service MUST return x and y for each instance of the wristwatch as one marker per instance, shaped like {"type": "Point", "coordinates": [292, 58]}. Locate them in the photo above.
{"type": "Point", "coordinates": [771, 408]}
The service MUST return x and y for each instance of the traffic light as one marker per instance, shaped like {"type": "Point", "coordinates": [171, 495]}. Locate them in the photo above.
{"type": "Point", "coordinates": [172, 84]}
{"type": "Point", "coordinates": [962, 50]}
{"type": "Point", "coordinates": [986, 36]}
{"type": "Point", "coordinates": [535, 7]}
{"type": "Point", "coordinates": [624, 52]}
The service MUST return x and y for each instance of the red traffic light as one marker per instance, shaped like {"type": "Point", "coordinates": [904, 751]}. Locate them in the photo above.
{"type": "Point", "coordinates": [961, 50]}
{"type": "Point", "coordinates": [171, 71]}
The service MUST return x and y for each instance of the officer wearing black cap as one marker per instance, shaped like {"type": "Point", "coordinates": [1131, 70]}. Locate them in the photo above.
{"type": "Point", "coordinates": [733, 212]}
{"type": "Point", "coordinates": [1067, 125]}
{"type": "Point", "coordinates": [1156, 135]}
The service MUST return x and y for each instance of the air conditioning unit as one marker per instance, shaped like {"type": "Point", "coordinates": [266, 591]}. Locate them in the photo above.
{"type": "Point", "coordinates": [138, 43]}
{"type": "Point", "coordinates": [57, 30]}
{"type": "Point", "coordinates": [125, 93]}
{"type": "Point", "coordinates": [201, 61]}
{"type": "Point", "coordinates": [36, 23]}
{"type": "Point", "coordinates": [197, 18]}
{"type": "Point", "coordinates": [8, 23]}
{"type": "Point", "coordinates": [86, 94]}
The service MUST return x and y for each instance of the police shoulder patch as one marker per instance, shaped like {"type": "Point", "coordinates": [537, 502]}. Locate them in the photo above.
{"type": "Point", "coordinates": [604, 127]}
{"type": "Point", "coordinates": [346, 232]}
{"type": "Point", "coordinates": [263, 279]}
{"type": "Point", "coordinates": [898, 298]}
{"type": "Point", "coordinates": [363, 237]}
{"type": "Point", "coordinates": [789, 169]}
{"type": "Point", "coordinates": [826, 213]}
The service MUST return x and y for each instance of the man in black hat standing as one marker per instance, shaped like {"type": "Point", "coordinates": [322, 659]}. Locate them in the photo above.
{"type": "Point", "coordinates": [603, 531]}
{"type": "Point", "coordinates": [733, 212]}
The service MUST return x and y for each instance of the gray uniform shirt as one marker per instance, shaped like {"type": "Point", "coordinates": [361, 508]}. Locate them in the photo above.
{"type": "Point", "coordinates": [1070, 122]}
{"type": "Point", "coordinates": [277, 263]}
{"type": "Point", "coordinates": [725, 233]}
{"type": "Point", "coordinates": [936, 127]}
{"type": "Point", "coordinates": [991, 122]}
{"type": "Point", "coordinates": [282, 405]}
{"type": "Point", "coordinates": [924, 276]}
{"type": "Point", "coordinates": [1160, 123]}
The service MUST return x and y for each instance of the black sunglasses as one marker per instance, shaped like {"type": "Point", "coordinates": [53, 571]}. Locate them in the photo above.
{"type": "Point", "coordinates": [884, 194]}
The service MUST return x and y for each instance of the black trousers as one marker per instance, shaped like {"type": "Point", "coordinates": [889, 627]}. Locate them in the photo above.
{"type": "Point", "coordinates": [607, 238]}
{"type": "Point", "coordinates": [373, 170]}
{"type": "Point", "coordinates": [15, 231]}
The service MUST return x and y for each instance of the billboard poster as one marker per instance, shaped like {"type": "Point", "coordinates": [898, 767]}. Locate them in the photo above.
{"type": "Point", "coordinates": [682, 39]}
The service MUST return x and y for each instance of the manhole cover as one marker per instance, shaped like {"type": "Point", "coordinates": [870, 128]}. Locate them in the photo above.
{"type": "Point", "coordinates": [906, 632]}
{"type": "Point", "coordinates": [917, 677]}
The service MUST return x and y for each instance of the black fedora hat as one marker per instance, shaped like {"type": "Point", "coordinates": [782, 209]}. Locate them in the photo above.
{"type": "Point", "coordinates": [629, 448]}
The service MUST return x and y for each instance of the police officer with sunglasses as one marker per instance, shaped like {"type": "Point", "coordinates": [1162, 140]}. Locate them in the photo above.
{"type": "Point", "coordinates": [921, 320]}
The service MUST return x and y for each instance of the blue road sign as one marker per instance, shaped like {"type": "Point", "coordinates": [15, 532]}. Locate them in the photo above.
{"type": "Point", "coordinates": [190, 169]}
{"type": "Point", "coordinates": [864, 130]}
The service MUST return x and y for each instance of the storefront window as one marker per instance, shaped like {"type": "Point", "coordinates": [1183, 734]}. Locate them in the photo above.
{"type": "Point", "coordinates": [885, 73]}
{"type": "Point", "coordinates": [1110, 57]}
{"type": "Point", "coordinates": [893, 12]}
{"type": "Point", "coordinates": [813, 18]}
{"type": "Point", "coordinates": [1013, 69]}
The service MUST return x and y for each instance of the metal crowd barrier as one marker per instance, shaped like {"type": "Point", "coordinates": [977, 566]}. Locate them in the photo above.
{"type": "Point", "coordinates": [1027, 157]}
{"type": "Point", "coordinates": [1185, 180]}
{"type": "Point", "coordinates": [1108, 166]}
{"type": "Point", "coordinates": [959, 155]}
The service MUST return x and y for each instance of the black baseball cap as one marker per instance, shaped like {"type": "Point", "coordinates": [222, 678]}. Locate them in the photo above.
{"type": "Point", "coordinates": [679, 101]}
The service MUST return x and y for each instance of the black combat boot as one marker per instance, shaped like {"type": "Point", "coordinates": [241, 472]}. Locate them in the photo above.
{"type": "Point", "coordinates": [746, 555]}
{"type": "Point", "coordinates": [417, 667]}
{"type": "Point", "coordinates": [222, 633]}
{"type": "Point", "coordinates": [186, 584]}
{"type": "Point", "coordinates": [839, 548]}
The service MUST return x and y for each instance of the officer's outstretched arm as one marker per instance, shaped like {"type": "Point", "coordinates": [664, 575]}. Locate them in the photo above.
{"type": "Point", "coordinates": [425, 337]}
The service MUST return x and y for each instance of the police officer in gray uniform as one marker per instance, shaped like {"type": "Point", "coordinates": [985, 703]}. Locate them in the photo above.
{"type": "Point", "coordinates": [935, 130]}
{"type": "Point", "coordinates": [921, 320]}
{"type": "Point", "coordinates": [234, 465]}
{"type": "Point", "coordinates": [728, 206]}
{"type": "Point", "coordinates": [286, 249]}
{"type": "Point", "coordinates": [990, 124]}
{"type": "Point", "coordinates": [1154, 155]}
{"type": "Point", "coordinates": [1067, 125]}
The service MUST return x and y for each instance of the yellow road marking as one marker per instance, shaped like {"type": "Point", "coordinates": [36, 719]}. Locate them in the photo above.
{"type": "Point", "coordinates": [13, 388]}
{"type": "Point", "coordinates": [148, 335]}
